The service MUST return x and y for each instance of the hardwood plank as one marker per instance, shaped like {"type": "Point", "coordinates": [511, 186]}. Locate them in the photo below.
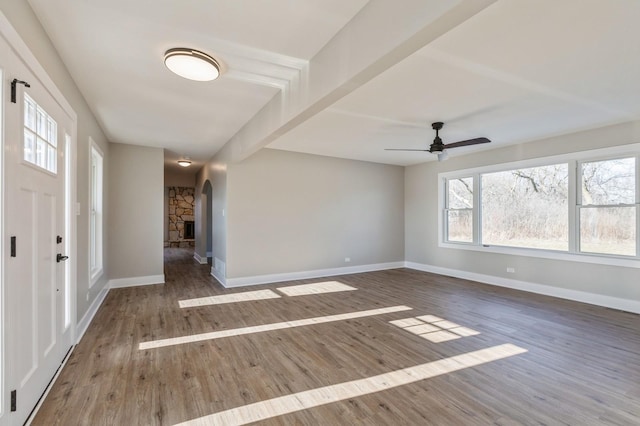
{"type": "Point", "coordinates": [582, 365]}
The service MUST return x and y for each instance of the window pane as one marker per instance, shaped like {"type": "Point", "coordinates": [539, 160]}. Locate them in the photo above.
{"type": "Point", "coordinates": [460, 225]}
{"type": "Point", "coordinates": [52, 134]}
{"type": "Point", "coordinates": [526, 208]}
{"type": "Point", "coordinates": [460, 194]}
{"type": "Point", "coordinates": [40, 136]}
{"type": "Point", "coordinates": [608, 230]}
{"type": "Point", "coordinates": [29, 114]}
{"type": "Point", "coordinates": [29, 146]}
{"type": "Point", "coordinates": [609, 182]}
{"type": "Point", "coordinates": [40, 153]}
{"type": "Point", "coordinates": [42, 123]}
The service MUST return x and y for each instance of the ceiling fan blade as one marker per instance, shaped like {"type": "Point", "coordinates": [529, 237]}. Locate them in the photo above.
{"type": "Point", "coordinates": [402, 149]}
{"type": "Point", "coordinates": [468, 142]}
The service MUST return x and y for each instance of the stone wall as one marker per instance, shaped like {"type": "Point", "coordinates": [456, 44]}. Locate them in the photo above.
{"type": "Point", "coordinates": [181, 205]}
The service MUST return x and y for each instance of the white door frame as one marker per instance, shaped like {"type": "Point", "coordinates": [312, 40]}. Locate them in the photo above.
{"type": "Point", "coordinates": [23, 53]}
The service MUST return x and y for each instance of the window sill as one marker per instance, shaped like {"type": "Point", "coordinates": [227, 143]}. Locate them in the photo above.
{"type": "Point", "coordinates": [547, 254]}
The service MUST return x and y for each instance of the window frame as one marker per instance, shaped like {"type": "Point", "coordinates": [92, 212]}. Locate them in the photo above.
{"type": "Point", "coordinates": [574, 160]}
{"type": "Point", "coordinates": [473, 210]}
{"type": "Point", "coordinates": [96, 212]}
{"type": "Point", "coordinates": [50, 145]}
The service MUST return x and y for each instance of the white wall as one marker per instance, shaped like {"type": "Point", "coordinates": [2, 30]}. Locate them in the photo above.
{"type": "Point", "coordinates": [135, 211]}
{"type": "Point", "coordinates": [21, 16]}
{"type": "Point", "coordinates": [291, 212]}
{"type": "Point", "coordinates": [421, 215]}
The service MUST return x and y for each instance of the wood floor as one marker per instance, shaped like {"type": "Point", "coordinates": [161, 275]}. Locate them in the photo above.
{"type": "Point", "coordinates": [579, 364]}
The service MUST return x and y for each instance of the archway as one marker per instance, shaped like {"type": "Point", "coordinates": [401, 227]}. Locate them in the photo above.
{"type": "Point", "coordinates": [207, 216]}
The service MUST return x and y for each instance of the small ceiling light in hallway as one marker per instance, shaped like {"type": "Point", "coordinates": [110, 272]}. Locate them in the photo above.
{"type": "Point", "coordinates": [184, 163]}
{"type": "Point", "coordinates": [192, 64]}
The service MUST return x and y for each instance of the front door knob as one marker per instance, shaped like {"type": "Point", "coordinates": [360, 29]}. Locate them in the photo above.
{"type": "Point", "coordinates": [60, 258]}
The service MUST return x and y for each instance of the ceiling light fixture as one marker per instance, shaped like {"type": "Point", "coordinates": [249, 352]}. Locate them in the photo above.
{"type": "Point", "coordinates": [184, 163]}
{"type": "Point", "coordinates": [192, 64]}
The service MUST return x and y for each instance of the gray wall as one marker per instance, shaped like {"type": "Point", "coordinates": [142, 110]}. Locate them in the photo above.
{"type": "Point", "coordinates": [19, 13]}
{"type": "Point", "coordinates": [291, 212]}
{"type": "Point", "coordinates": [135, 211]}
{"type": "Point", "coordinates": [185, 178]}
{"type": "Point", "coordinates": [215, 172]}
{"type": "Point", "coordinates": [421, 215]}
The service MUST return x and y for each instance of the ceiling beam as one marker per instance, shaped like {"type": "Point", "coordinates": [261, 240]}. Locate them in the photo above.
{"type": "Point", "coordinates": [379, 36]}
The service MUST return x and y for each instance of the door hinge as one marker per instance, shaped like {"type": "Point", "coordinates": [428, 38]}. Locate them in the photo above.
{"type": "Point", "coordinates": [13, 246]}
{"type": "Point", "coordinates": [14, 399]}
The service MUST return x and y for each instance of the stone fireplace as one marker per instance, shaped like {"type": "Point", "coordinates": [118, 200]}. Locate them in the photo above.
{"type": "Point", "coordinates": [181, 220]}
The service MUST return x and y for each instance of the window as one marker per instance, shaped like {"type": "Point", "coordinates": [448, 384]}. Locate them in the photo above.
{"type": "Point", "coordinates": [607, 208]}
{"type": "Point", "coordinates": [40, 136]}
{"type": "Point", "coordinates": [582, 204]}
{"type": "Point", "coordinates": [460, 210]}
{"type": "Point", "coordinates": [95, 218]}
{"type": "Point", "coordinates": [526, 208]}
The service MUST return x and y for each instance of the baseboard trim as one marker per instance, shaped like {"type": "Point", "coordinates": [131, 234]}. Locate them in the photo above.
{"type": "Point", "coordinates": [84, 323]}
{"type": "Point", "coordinates": [136, 281]}
{"type": "Point", "coordinates": [302, 275]}
{"type": "Point", "coordinates": [215, 274]}
{"type": "Point", "coordinates": [201, 260]}
{"type": "Point", "coordinates": [547, 290]}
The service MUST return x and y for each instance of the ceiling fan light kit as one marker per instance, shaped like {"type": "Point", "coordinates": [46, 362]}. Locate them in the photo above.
{"type": "Point", "coordinates": [439, 148]}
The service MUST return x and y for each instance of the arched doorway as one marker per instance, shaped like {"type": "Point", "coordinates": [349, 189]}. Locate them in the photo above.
{"type": "Point", "coordinates": [207, 216]}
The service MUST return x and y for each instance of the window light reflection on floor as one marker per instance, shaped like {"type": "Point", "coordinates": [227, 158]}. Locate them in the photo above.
{"type": "Point", "coordinates": [433, 328]}
{"type": "Point", "coordinates": [326, 395]}
{"type": "Point", "coordinates": [291, 291]}
{"type": "Point", "coordinates": [268, 327]}
{"type": "Point", "coordinates": [229, 298]}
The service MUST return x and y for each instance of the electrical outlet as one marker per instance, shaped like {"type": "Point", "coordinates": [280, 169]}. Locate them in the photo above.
{"type": "Point", "coordinates": [347, 259]}
{"type": "Point", "coordinates": [511, 270]}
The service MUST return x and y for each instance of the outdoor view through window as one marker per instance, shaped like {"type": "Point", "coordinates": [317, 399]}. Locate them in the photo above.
{"type": "Point", "coordinates": [529, 207]}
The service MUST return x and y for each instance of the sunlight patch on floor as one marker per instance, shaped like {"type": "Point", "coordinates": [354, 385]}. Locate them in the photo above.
{"type": "Point", "coordinates": [326, 395]}
{"type": "Point", "coordinates": [268, 327]}
{"type": "Point", "coordinates": [229, 298]}
{"type": "Point", "coordinates": [433, 328]}
{"type": "Point", "coordinates": [315, 288]}
{"type": "Point", "coordinates": [291, 291]}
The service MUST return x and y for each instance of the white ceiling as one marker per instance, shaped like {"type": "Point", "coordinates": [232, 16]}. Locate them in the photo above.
{"type": "Point", "coordinates": [114, 51]}
{"type": "Point", "coordinates": [517, 71]}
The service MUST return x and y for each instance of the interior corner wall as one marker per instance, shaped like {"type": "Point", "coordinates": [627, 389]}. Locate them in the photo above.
{"type": "Point", "coordinates": [421, 217]}
{"type": "Point", "coordinates": [136, 196]}
{"type": "Point", "coordinates": [292, 212]}
{"type": "Point", "coordinates": [22, 18]}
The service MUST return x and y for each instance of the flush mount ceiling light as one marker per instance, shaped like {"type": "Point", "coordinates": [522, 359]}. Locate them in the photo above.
{"type": "Point", "coordinates": [184, 163]}
{"type": "Point", "coordinates": [192, 64]}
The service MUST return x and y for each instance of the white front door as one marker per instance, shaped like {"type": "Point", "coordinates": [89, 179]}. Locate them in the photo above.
{"type": "Point", "coordinates": [37, 321]}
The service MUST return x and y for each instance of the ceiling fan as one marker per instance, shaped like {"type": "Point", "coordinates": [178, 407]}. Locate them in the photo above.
{"type": "Point", "coordinates": [437, 147]}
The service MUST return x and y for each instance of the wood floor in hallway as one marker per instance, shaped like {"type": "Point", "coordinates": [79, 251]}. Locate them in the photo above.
{"type": "Point", "coordinates": [482, 355]}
